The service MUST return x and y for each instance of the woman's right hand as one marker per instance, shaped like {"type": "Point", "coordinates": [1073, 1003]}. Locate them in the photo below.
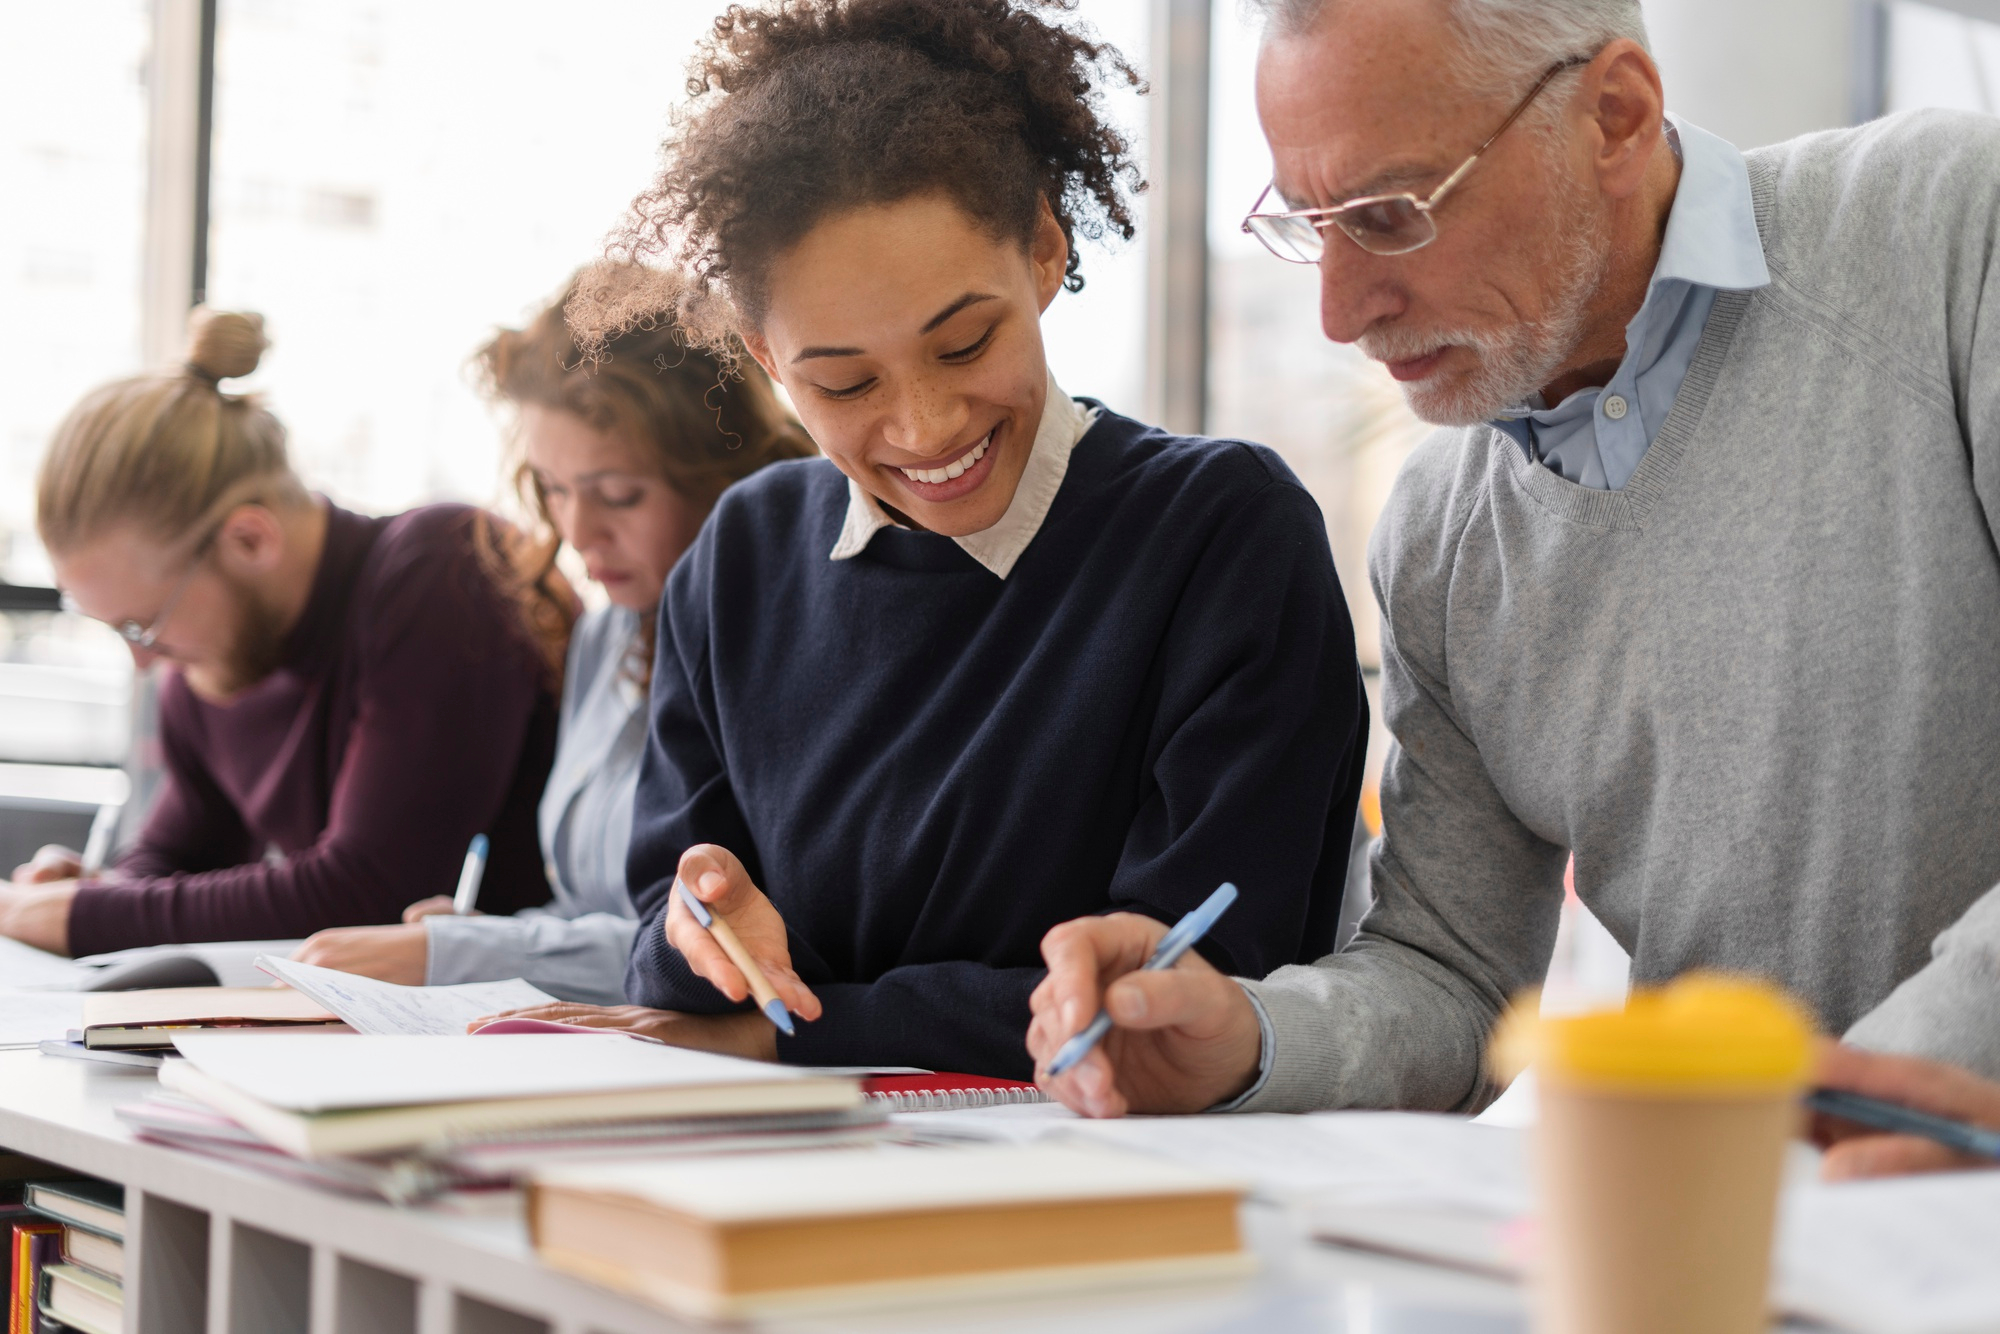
{"type": "Point", "coordinates": [437, 905]}
{"type": "Point", "coordinates": [715, 876]}
{"type": "Point", "coordinates": [399, 954]}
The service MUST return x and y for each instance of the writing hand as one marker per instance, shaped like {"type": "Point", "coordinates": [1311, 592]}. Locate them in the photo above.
{"type": "Point", "coordinates": [1184, 1038]}
{"type": "Point", "coordinates": [747, 1035]}
{"type": "Point", "coordinates": [51, 862]}
{"type": "Point", "coordinates": [437, 905]}
{"type": "Point", "coordinates": [1927, 1086]}
{"type": "Point", "coordinates": [399, 954]}
{"type": "Point", "coordinates": [718, 879]}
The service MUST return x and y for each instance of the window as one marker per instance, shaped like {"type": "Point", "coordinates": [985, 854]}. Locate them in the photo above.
{"type": "Point", "coordinates": [1941, 59]}
{"type": "Point", "coordinates": [393, 181]}
{"type": "Point", "coordinates": [73, 122]}
{"type": "Point", "coordinates": [73, 125]}
{"type": "Point", "coordinates": [1335, 416]}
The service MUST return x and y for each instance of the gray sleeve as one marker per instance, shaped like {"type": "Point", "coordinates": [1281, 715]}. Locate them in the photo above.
{"type": "Point", "coordinates": [1950, 1009]}
{"type": "Point", "coordinates": [1467, 898]}
{"type": "Point", "coordinates": [574, 959]}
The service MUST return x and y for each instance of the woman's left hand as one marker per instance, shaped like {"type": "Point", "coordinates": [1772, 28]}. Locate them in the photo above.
{"type": "Point", "coordinates": [400, 954]}
{"type": "Point", "coordinates": [748, 1035]}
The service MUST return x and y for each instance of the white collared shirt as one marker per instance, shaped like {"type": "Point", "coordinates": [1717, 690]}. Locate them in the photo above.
{"type": "Point", "coordinates": [1064, 422]}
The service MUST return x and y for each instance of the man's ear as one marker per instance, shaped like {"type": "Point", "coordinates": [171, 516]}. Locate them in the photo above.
{"type": "Point", "coordinates": [250, 540]}
{"type": "Point", "coordinates": [760, 352]}
{"type": "Point", "coordinates": [1049, 254]}
{"type": "Point", "coordinates": [1622, 96]}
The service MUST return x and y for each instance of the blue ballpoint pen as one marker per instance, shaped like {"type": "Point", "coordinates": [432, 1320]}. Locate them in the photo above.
{"type": "Point", "coordinates": [467, 896]}
{"type": "Point", "coordinates": [1880, 1115]}
{"type": "Point", "coordinates": [760, 986]}
{"type": "Point", "coordinates": [1166, 954]}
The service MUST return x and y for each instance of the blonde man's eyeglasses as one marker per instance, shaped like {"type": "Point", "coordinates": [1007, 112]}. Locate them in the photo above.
{"type": "Point", "coordinates": [145, 636]}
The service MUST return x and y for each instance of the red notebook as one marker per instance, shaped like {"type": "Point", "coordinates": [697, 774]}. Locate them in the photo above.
{"type": "Point", "coordinates": [942, 1092]}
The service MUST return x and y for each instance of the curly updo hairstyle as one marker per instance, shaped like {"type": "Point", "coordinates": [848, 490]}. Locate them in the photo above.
{"type": "Point", "coordinates": [803, 109]}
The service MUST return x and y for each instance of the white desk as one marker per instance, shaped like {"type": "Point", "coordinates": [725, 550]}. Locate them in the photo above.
{"type": "Point", "coordinates": [213, 1249]}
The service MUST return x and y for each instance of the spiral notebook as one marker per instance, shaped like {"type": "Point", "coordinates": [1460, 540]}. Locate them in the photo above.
{"type": "Point", "coordinates": [937, 1092]}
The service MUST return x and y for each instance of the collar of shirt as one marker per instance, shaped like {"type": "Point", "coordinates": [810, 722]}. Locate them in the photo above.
{"type": "Point", "coordinates": [1596, 437]}
{"type": "Point", "coordinates": [1064, 422]}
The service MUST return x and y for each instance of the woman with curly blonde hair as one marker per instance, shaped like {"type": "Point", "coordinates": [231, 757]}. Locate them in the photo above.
{"type": "Point", "coordinates": [622, 453]}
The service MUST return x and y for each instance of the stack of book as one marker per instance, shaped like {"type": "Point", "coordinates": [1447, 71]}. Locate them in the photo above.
{"type": "Point", "coordinates": [403, 1117]}
{"type": "Point", "coordinates": [66, 1258]}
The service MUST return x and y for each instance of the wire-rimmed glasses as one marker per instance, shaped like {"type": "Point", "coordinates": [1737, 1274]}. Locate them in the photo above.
{"type": "Point", "coordinates": [145, 636]}
{"type": "Point", "coordinates": [1390, 224]}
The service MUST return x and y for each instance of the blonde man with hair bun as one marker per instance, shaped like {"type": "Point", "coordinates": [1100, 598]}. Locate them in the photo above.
{"type": "Point", "coordinates": [346, 700]}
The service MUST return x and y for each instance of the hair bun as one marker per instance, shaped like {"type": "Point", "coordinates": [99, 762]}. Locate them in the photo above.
{"type": "Point", "coordinates": [224, 344]}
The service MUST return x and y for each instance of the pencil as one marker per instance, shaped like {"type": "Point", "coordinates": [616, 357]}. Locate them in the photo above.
{"type": "Point", "coordinates": [1897, 1119]}
{"type": "Point", "coordinates": [760, 985]}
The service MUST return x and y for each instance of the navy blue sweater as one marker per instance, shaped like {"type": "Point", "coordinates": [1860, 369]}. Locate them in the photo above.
{"type": "Point", "coordinates": [926, 767]}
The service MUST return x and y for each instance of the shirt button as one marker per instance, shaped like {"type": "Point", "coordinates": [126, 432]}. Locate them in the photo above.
{"type": "Point", "coordinates": [1614, 407]}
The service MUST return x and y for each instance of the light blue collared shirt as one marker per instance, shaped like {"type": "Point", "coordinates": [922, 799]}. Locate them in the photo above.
{"type": "Point", "coordinates": [1596, 437]}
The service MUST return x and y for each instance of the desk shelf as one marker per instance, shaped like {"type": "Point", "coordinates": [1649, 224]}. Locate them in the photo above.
{"type": "Point", "coordinates": [215, 1249]}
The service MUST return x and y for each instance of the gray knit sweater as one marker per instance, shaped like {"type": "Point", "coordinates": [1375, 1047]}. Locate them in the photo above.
{"type": "Point", "coordinates": [1756, 692]}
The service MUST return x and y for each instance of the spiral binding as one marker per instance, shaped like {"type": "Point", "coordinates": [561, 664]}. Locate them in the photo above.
{"type": "Point", "coordinates": [955, 1100]}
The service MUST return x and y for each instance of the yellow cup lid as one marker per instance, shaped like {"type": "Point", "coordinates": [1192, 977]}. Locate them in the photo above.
{"type": "Point", "coordinates": [1706, 1034]}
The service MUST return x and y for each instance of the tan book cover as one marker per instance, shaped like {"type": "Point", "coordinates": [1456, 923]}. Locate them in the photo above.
{"type": "Point", "coordinates": [743, 1236]}
{"type": "Point", "coordinates": [146, 1018]}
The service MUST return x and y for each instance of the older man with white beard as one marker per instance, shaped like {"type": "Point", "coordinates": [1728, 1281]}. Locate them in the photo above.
{"type": "Point", "coordinates": [1701, 587]}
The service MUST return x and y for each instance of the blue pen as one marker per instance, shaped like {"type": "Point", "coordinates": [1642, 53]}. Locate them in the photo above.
{"type": "Point", "coordinates": [1880, 1115]}
{"type": "Point", "coordinates": [760, 986]}
{"type": "Point", "coordinates": [1165, 955]}
{"type": "Point", "coordinates": [467, 896]}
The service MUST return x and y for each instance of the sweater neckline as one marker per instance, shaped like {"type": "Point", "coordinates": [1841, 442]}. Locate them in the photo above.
{"type": "Point", "coordinates": [1627, 509]}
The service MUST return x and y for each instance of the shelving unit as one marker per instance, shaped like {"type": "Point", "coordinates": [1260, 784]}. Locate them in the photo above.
{"type": "Point", "coordinates": [215, 1249]}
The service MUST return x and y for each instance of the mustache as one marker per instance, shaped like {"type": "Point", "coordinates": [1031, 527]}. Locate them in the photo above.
{"type": "Point", "coordinates": [1388, 345]}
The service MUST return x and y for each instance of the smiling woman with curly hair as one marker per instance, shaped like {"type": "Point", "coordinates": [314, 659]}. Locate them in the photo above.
{"type": "Point", "coordinates": [1002, 657]}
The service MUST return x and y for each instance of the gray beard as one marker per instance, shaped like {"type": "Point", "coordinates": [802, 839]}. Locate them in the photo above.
{"type": "Point", "coordinates": [1512, 364]}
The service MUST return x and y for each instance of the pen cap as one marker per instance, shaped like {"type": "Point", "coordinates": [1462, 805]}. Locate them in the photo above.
{"type": "Point", "coordinates": [1707, 1035]}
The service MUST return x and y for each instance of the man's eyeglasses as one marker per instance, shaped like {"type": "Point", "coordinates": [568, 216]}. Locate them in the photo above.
{"type": "Point", "coordinates": [145, 636]}
{"type": "Point", "coordinates": [1392, 224]}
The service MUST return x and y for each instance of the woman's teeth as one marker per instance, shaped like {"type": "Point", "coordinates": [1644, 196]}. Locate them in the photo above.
{"type": "Point", "coordinates": [956, 468]}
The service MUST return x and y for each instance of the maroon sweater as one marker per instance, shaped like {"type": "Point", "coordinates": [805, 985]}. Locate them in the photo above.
{"type": "Point", "coordinates": [409, 713]}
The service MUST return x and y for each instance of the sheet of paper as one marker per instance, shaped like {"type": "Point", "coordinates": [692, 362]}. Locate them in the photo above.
{"type": "Point", "coordinates": [313, 1073]}
{"type": "Point", "coordinates": [1017, 1123]}
{"type": "Point", "coordinates": [23, 967]}
{"type": "Point", "coordinates": [1918, 1255]}
{"type": "Point", "coordinates": [384, 1007]}
{"type": "Point", "coordinates": [29, 1018]}
{"type": "Point", "coordinates": [1341, 1158]}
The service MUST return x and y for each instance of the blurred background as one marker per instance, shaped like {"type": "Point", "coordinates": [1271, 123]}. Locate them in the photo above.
{"type": "Point", "coordinates": [387, 182]}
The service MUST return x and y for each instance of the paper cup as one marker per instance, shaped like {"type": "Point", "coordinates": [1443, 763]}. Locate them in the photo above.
{"type": "Point", "coordinates": [1658, 1151]}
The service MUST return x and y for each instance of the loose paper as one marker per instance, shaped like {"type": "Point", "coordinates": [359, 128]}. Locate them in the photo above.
{"type": "Point", "coordinates": [29, 1018]}
{"type": "Point", "coordinates": [375, 1007]}
{"type": "Point", "coordinates": [25, 967]}
{"type": "Point", "coordinates": [1915, 1255]}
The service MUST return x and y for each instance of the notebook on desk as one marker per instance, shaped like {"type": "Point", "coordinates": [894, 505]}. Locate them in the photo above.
{"type": "Point", "coordinates": [148, 1020]}
{"type": "Point", "coordinates": [365, 1094]}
